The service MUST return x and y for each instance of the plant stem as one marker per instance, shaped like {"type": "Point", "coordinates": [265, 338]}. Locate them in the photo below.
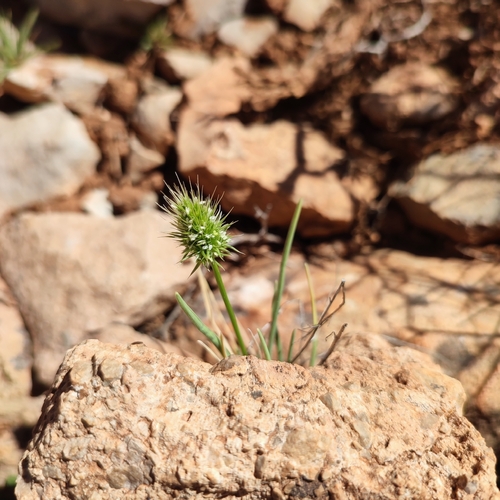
{"type": "Point", "coordinates": [229, 308]}
{"type": "Point", "coordinates": [281, 280]}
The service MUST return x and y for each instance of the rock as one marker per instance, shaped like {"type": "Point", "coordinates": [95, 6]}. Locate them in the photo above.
{"type": "Point", "coordinates": [141, 160]}
{"type": "Point", "coordinates": [125, 335]}
{"type": "Point", "coordinates": [117, 17]}
{"type": "Point", "coordinates": [410, 94]}
{"type": "Point", "coordinates": [201, 17]}
{"type": "Point", "coordinates": [76, 82]}
{"type": "Point", "coordinates": [15, 356]}
{"type": "Point", "coordinates": [86, 273]}
{"type": "Point", "coordinates": [96, 203]}
{"type": "Point", "coordinates": [374, 422]}
{"type": "Point", "coordinates": [228, 156]}
{"type": "Point", "coordinates": [248, 34]}
{"type": "Point", "coordinates": [177, 64]}
{"type": "Point", "coordinates": [456, 195]}
{"type": "Point", "coordinates": [305, 14]}
{"type": "Point", "coordinates": [110, 132]}
{"type": "Point", "coordinates": [151, 118]}
{"type": "Point", "coordinates": [221, 90]}
{"type": "Point", "coordinates": [46, 152]}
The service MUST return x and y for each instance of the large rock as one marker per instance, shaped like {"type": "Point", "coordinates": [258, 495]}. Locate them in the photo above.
{"type": "Point", "coordinates": [264, 165]}
{"type": "Point", "coordinates": [410, 94]}
{"type": "Point", "coordinates": [119, 17]}
{"type": "Point", "coordinates": [457, 195]}
{"type": "Point", "coordinates": [376, 422]}
{"type": "Point", "coordinates": [86, 273]}
{"type": "Point", "coordinates": [45, 152]}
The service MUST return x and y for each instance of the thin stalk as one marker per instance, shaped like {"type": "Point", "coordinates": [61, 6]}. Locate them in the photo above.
{"type": "Point", "coordinates": [267, 355]}
{"type": "Point", "coordinates": [212, 336]}
{"type": "Point", "coordinates": [290, 347]}
{"type": "Point", "coordinates": [281, 280]}
{"type": "Point", "coordinates": [229, 308]}
{"type": "Point", "coordinates": [314, 342]}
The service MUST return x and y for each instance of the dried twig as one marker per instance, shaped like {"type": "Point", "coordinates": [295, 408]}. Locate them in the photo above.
{"type": "Point", "coordinates": [325, 317]}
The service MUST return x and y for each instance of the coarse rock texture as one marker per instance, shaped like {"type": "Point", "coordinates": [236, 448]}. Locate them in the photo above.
{"type": "Point", "coordinates": [85, 273]}
{"type": "Point", "coordinates": [298, 163]}
{"type": "Point", "coordinates": [375, 422]}
{"type": "Point", "coordinates": [409, 94]}
{"type": "Point", "coordinates": [46, 152]}
{"type": "Point", "coordinates": [457, 195]}
{"type": "Point", "coordinates": [77, 82]}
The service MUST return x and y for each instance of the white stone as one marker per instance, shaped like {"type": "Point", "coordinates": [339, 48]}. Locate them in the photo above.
{"type": "Point", "coordinates": [45, 152]}
{"type": "Point", "coordinates": [248, 34]}
{"type": "Point", "coordinates": [306, 14]}
{"type": "Point", "coordinates": [182, 64]}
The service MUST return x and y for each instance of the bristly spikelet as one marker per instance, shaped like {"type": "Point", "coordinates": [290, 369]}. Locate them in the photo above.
{"type": "Point", "coordinates": [200, 226]}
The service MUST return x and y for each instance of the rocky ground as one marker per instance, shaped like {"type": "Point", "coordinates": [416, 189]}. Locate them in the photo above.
{"type": "Point", "coordinates": [381, 116]}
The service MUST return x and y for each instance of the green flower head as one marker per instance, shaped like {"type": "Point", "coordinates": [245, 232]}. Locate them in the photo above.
{"type": "Point", "coordinates": [199, 226]}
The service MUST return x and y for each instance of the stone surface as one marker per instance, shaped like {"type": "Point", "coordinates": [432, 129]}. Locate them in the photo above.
{"type": "Point", "coordinates": [119, 17]}
{"type": "Point", "coordinates": [141, 160]}
{"type": "Point", "coordinates": [177, 64]}
{"type": "Point", "coordinates": [201, 17]}
{"type": "Point", "coordinates": [374, 422]}
{"type": "Point", "coordinates": [248, 34]}
{"type": "Point", "coordinates": [410, 94]}
{"type": "Point", "coordinates": [297, 163]}
{"type": "Point", "coordinates": [96, 202]}
{"type": "Point", "coordinates": [221, 90]}
{"type": "Point", "coordinates": [306, 14]}
{"type": "Point", "coordinates": [76, 82]}
{"type": "Point", "coordinates": [456, 195]}
{"type": "Point", "coordinates": [86, 273]}
{"type": "Point", "coordinates": [46, 152]}
{"type": "Point", "coordinates": [151, 118]}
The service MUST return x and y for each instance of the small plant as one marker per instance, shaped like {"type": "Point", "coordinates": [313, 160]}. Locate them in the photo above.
{"type": "Point", "coordinates": [202, 230]}
{"type": "Point", "coordinates": [158, 35]}
{"type": "Point", "coordinates": [15, 45]}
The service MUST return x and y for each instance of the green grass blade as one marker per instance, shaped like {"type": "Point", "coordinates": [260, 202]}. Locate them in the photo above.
{"type": "Point", "coordinates": [25, 31]}
{"type": "Point", "coordinates": [229, 309]}
{"type": "Point", "coordinates": [211, 335]}
{"type": "Point", "coordinates": [281, 280]}
{"type": "Point", "coordinates": [290, 347]}
{"type": "Point", "coordinates": [267, 354]}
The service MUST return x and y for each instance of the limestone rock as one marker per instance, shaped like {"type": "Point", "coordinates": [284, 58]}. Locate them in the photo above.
{"type": "Point", "coordinates": [410, 94]}
{"type": "Point", "coordinates": [141, 160]}
{"type": "Point", "coordinates": [306, 14]}
{"type": "Point", "coordinates": [46, 152]}
{"type": "Point", "coordinates": [133, 423]}
{"type": "Point", "coordinates": [202, 17]}
{"type": "Point", "coordinates": [177, 64]}
{"type": "Point", "coordinates": [86, 273]}
{"type": "Point", "coordinates": [221, 90]}
{"type": "Point", "coordinates": [151, 118]}
{"type": "Point", "coordinates": [76, 82]}
{"type": "Point", "coordinates": [119, 17]}
{"type": "Point", "coordinates": [456, 195]}
{"type": "Point", "coordinates": [248, 34]}
{"type": "Point", "coordinates": [96, 203]}
{"type": "Point", "coordinates": [296, 163]}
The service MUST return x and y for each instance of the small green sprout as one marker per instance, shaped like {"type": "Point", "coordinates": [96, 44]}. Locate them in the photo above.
{"type": "Point", "coordinates": [202, 230]}
{"type": "Point", "coordinates": [158, 35]}
{"type": "Point", "coordinates": [15, 45]}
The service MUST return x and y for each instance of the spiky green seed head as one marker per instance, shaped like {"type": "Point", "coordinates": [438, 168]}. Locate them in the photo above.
{"type": "Point", "coordinates": [199, 225]}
